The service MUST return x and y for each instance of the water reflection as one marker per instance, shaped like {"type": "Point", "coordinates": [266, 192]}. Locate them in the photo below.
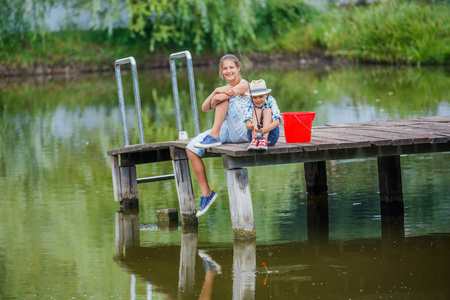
{"type": "Point", "coordinates": [393, 266]}
{"type": "Point", "coordinates": [393, 227]}
{"type": "Point", "coordinates": [158, 266]}
{"type": "Point", "coordinates": [317, 217]}
{"type": "Point", "coordinates": [244, 267]}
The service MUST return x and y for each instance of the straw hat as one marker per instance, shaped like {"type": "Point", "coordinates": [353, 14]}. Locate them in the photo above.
{"type": "Point", "coordinates": [258, 87]}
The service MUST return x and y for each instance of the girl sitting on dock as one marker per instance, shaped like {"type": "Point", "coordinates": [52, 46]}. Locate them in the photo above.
{"type": "Point", "coordinates": [263, 117]}
{"type": "Point", "coordinates": [231, 104]}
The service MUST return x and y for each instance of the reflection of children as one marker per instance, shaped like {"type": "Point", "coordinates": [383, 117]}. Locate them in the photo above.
{"type": "Point", "coordinates": [211, 269]}
{"type": "Point", "coordinates": [263, 115]}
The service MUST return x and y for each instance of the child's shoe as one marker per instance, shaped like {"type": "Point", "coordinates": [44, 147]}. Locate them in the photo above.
{"type": "Point", "coordinates": [253, 144]}
{"type": "Point", "coordinates": [262, 144]}
{"type": "Point", "coordinates": [208, 142]}
{"type": "Point", "coordinates": [205, 203]}
{"type": "Point", "coordinates": [208, 263]}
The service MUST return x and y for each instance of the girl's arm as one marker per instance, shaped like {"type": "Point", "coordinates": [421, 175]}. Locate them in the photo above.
{"type": "Point", "coordinates": [241, 88]}
{"type": "Point", "coordinates": [229, 92]}
{"type": "Point", "coordinates": [206, 106]}
{"type": "Point", "coordinates": [218, 95]}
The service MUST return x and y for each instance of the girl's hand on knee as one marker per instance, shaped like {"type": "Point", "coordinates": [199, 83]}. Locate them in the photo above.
{"type": "Point", "coordinates": [227, 90]}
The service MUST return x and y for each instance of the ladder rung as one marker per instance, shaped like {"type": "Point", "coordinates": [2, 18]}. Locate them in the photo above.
{"type": "Point", "coordinates": [155, 178]}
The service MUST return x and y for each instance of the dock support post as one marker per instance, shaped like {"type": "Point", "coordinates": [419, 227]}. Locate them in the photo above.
{"type": "Point", "coordinates": [241, 207]}
{"type": "Point", "coordinates": [316, 177]}
{"type": "Point", "coordinates": [124, 183]}
{"type": "Point", "coordinates": [184, 185]}
{"type": "Point", "coordinates": [390, 183]}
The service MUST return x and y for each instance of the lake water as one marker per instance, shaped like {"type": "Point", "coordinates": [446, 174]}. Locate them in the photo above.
{"type": "Point", "coordinates": [62, 236]}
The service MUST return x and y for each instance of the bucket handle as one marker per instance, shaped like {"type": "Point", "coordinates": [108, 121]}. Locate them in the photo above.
{"type": "Point", "coordinates": [302, 123]}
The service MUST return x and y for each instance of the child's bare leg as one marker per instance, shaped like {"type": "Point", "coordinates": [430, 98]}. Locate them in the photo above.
{"type": "Point", "coordinates": [267, 113]}
{"type": "Point", "coordinates": [219, 117]}
{"type": "Point", "coordinates": [199, 170]}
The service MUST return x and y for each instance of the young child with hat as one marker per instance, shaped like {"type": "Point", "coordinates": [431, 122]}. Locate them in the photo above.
{"type": "Point", "coordinates": [263, 117]}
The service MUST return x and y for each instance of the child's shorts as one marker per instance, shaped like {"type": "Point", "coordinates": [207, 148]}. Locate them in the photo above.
{"type": "Point", "coordinates": [271, 140]}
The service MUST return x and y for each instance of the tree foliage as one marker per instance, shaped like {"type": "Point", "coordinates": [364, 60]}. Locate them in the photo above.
{"type": "Point", "coordinates": [394, 31]}
{"type": "Point", "coordinates": [217, 24]}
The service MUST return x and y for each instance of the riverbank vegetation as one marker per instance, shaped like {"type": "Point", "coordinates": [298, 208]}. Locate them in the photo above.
{"type": "Point", "coordinates": [388, 32]}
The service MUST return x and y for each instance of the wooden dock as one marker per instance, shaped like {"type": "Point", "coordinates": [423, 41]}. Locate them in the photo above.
{"type": "Point", "coordinates": [386, 140]}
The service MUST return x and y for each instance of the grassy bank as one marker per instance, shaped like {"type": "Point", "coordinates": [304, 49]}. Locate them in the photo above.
{"type": "Point", "coordinates": [404, 32]}
{"type": "Point", "coordinates": [393, 32]}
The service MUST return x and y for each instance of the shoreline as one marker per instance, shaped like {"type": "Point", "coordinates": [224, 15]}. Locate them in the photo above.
{"type": "Point", "coordinates": [161, 61]}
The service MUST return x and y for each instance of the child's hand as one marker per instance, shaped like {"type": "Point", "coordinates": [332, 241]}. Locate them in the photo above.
{"type": "Point", "coordinates": [227, 90]}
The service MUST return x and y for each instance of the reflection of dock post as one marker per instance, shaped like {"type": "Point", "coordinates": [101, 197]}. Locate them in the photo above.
{"type": "Point", "coordinates": [127, 229]}
{"type": "Point", "coordinates": [393, 227]}
{"type": "Point", "coordinates": [183, 182]}
{"type": "Point", "coordinates": [390, 183]}
{"type": "Point", "coordinates": [317, 217]}
{"type": "Point", "coordinates": [244, 268]}
{"type": "Point", "coordinates": [241, 207]}
{"type": "Point", "coordinates": [317, 200]}
{"type": "Point", "coordinates": [188, 253]}
{"type": "Point", "coordinates": [124, 183]}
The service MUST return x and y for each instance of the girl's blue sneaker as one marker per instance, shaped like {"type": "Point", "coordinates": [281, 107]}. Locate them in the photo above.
{"type": "Point", "coordinates": [205, 203]}
{"type": "Point", "coordinates": [208, 142]}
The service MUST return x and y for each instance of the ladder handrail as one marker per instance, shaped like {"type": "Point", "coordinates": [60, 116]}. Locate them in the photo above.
{"type": "Point", "coordinates": [137, 98]}
{"type": "Point", "coordinates": [173, 74]}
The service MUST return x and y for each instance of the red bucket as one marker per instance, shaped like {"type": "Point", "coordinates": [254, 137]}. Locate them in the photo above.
{"type": "Point", "coordinates": [298, 126]}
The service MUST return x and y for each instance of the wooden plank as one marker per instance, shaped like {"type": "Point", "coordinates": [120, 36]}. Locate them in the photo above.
{"type": "Point", "coordinates": [397, 137]}
{"type": "Point", "coordinates": [375, 138]}
{"type": "Point", "coordinates": [445, 119]}
{"type": "Point", "coordinates": [323, 143]}
{"type": "Point", "coordinates": [305, 147]}
{"type": "Point", "coordinates": [141, 147]}
{"type": "Point", "coordinates": [432, 128]}
{"type": "Point", "coordinates": [345, 137]}
{"type": "Point", "coordinates": [326, 141]}
{"type": "Point", "coordinates": [230, 149]}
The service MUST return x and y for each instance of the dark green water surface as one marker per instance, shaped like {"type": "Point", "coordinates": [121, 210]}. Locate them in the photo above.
{"type": "Point", "coordinates": [62, 236]}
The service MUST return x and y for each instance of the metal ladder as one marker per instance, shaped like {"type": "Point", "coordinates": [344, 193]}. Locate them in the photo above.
{"type": "Point", "coordinates": [173, 73]}
{"type": "Point", "coordinates": [137, 100]}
